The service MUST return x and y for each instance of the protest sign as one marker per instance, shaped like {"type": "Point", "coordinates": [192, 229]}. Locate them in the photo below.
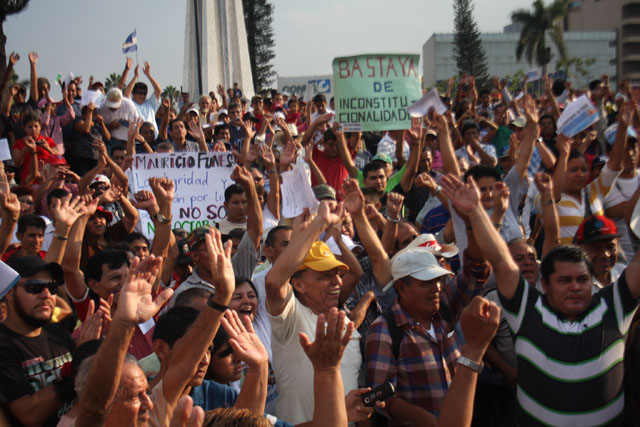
{"type": "Point", "coordinates": [200, 180]}
{"type": "Point", "coordinates": [5, 153]}
{"type": "Point", "coordinates": [373, 92]}
{"type": "Point", "coordinates": [297, 193]}
{"type": "Point", "coordinates": [611, 132]}
{"type": "Point", "coordinates": [533, 74]}
{"type": "Point", "coordinates": [431, 99]}
{"type": "Point", "coordinates": [89, 96]}
{"type": "Point", "coordinates": [578, 116]}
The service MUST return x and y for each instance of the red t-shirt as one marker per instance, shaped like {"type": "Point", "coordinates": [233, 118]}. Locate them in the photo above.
{"type": "Point", "coordinates": [10, 253]}
{"type": "Point", "coordinates": [332, 168]}
{"type": "Point", "coordinates": [42, 154]}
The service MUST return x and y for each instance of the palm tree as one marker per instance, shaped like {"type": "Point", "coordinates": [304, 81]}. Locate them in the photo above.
{"type": "Point", "coordinates": [171, 92]}
{"type": "Point", "coordinates": [8, 8]}
{"type": "Point", "coordinates": [537, 23]}
{"type": "Point", "coordinates": [111, 81]}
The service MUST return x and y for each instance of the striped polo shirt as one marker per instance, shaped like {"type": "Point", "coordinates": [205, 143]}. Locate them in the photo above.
{"type": "Point", "coordinates": [570, 373]}
{"type": "Point", "coordinates": [572, 212]}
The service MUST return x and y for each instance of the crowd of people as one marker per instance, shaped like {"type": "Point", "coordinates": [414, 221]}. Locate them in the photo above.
{"type": "Point", "coordinates": [477, 268]}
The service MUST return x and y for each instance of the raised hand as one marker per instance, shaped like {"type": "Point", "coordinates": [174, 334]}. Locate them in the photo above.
{"type": "Point", "coordinates": [464, 197]}
{"type": "Point", "coordinates": [134, 129]}
{"type": "Point", "coordinates": [425, 180]}
{"type": "Point", "coordinates": [13, 58]}
{"type": "Point", "coordinates": [327, 349]}
{"type": "Point", "coordinates": [253, 153]}
{"type": "Point", "coordinates": [501, 197]}
{"type": "Point", "coordinates": [163, 189]}
{"type": "Point", "coordinates": [33, 57]}
{"type": "Point", "coordinates": [90, 205]}
{"type": "Point", "coordinates": [135, 304]}
{"type": "Point", "coordinates": [626, 113]}
{"type": "Point", "coordinates": [530, 109]}
{"type": "Point", "coordinates": [195, 130]}
{"type": "Point", "coordinates": [354, 200]}
{"type": "Point", "coordinates": [9, 206]}
{"type": "Point", "coordinates": [186, 414]}
{"type": "Point", "coordinates": [66, 211]}
{"type": "Point", "coordinates": [128, 63]}
{"type": "Point", "coordinates": [145, 200]}
{"type": "Point", "coordinates": [563, 144]}
{"type": "Point", "coordinates": [220, 263]}
{"type": "Point", "coordinates": [242, 176]}
{"type": "Point", "coordinates": [288, 155]}
{"type": "Point", "coordinates": [243, 339]}
{"type": "Point", "coordinates": [268, 159]}
{"type": "Point", "coordinates": [330, 212]}
{"type": "Point", "coordinates": [112, 195]}
{"type": "Point", "coordinates": [479, 322]}
{"type": "Point", "coordinates": [146, 68]}
{"type": "Point", "coordinates": [394, 205]}
{"type": "Point", "coordinates": [543, 182]}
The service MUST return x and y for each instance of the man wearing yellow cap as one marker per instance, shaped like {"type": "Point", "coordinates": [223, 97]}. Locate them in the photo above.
{"type": "Point", "coordinates": [305, 282]}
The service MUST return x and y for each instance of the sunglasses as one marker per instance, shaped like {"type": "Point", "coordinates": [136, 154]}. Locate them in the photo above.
{"type": "Point", "coordinates": [140, 93]}
{"type": "Point", "coordinates": [37, 286]}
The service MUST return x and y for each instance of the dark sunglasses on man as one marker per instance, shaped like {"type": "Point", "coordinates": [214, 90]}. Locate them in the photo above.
{"type": "Point", "coordinates": [37, 286]}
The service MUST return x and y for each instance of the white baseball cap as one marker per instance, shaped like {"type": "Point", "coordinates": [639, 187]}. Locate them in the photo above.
{"type": "Point", "coordinates": [429, 242]}
{"type": "Point", "coordinates": [8, 279]}
{"type": "Point", "coordinates": [418, 263]}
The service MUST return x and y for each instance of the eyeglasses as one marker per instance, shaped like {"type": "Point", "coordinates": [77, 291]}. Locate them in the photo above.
{"type": "Point", "coordinates": [140, 93]}
{"type": "Point", "coordinates": [37, 286]}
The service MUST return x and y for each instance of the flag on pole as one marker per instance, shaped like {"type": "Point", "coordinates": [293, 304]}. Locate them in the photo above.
{"type": "Point", "coordinates": [130, 44]}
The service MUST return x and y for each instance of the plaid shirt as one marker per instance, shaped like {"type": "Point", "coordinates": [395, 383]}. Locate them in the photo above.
{"type": "Point", "coordinates": [425, 366]}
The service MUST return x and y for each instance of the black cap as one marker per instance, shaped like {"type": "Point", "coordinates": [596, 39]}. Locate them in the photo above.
{"type": "Point", "coordinates": [183, 252]}
{"type": "Point", "coordinates": [30, 265]}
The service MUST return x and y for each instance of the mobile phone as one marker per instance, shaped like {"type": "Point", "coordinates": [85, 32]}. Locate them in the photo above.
{"type": "Point", "coordinates": [380, 393]}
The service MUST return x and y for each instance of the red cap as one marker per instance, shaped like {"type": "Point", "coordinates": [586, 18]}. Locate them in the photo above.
{"type": "Point", "coordinates": [56, 160]}
{"type": "Point", "coordinates": [596, 228]}
{"type": "Point", "coordinates": [108, 215]}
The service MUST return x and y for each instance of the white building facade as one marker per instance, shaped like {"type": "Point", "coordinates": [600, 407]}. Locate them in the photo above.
{"type": "Point", "coordinates": [438, 59]}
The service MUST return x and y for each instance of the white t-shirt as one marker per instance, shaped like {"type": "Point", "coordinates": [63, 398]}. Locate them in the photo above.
{"type": "Point", "coordinates": [622, 191]}
{"type": "Point", "coordinates": [126, 112]}
{"type": "Point", "coordinates": [49, 231]}
{"type": "Point", "coordinates": [292, 367]}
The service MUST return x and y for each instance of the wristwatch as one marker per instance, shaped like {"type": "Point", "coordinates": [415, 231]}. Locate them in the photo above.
{"type": "Point", "coordinates": [474, 366]}
{"type": "Point", "coordinates": [160, 218]}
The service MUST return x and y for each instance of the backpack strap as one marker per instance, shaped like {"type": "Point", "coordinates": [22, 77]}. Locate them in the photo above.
{"type": "Point", "coordinates": [394, 331]}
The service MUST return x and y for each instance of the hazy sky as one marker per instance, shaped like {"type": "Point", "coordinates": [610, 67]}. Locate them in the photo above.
{"type": "Point", "coordinates": [86, 36]}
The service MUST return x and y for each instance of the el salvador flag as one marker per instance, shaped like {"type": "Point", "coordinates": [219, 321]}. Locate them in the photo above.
{"type": "Point", "coordinates": [130, 44]}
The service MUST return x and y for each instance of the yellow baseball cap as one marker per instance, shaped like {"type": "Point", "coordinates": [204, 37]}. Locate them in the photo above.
{"type": "Point", "coordinates": [320, 258]}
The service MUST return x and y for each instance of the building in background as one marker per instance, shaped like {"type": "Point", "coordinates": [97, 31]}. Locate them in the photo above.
{"type": "Point", "coordinates": [215, 48]}
{"type": "Point", "coordinates": [621, 16]}
{"type": "Point", "coordinates": [301, 84]}
{"type": "Point", "coordinates": [438, 60]}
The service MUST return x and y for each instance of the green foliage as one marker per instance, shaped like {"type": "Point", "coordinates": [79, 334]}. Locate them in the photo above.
{"type": "Point", "coordinates": [514, 82]}
{"type": "Point", "coordinates": [467, 47]}
{"type": "Point", "coordinates": [258, 20]}
{"type": "Point", "coordinates": [540, 21]}
{"type": "Point", "coordinates": [7, 8]}
{"type": "Point", "coordinates": [577, 68]}
{"type": "Point", "coordinates": [111, 81]}
{"type": "Point", "coordinates": [171, 92]}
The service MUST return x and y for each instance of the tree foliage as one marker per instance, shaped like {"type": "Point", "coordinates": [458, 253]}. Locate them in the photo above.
{"type": "Point", "coordinates": [258, 19]}
{"type": "Point", "coordinates": [111, 81]}
{"type": "Point", "coordinates": [467, 46]}
{"type": "Point", "coordinates": [8, 8]}
{"type": "Point", "coordinates": [537, 23]}
{"type": "Point", "coordinates": [171, 92]}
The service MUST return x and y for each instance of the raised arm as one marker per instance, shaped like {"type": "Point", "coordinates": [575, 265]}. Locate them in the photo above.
{"type": "Point", "coordinates": [563, 144]}
{"type": "Point", "coordinates": [9, 213]}
{"type": "Point", "coordinates": [33, 87]}
{"type": "Point", "coordinates": [306, 230]}
{"type": "Point", "coordinates": [254, 211]}
{"type": "Point", "coordinates": [531, 133]}
{"type": "Point", "coordinates": [344, 154]}
{"type": "Point", "coordinates": [273, 198]}
{"type": "Point", "coordinates": [4, 79]}
{"type": "Point", "coordinates": [617, 151]}
{"type": "Point", "coordinates": [123, 77]}
{"type": "Point", "coordinates": [157, 90]}
{"type": "Point", "coordinates": [308, 158]}
{"type": "Point", "coordinates": [354, 204]}
{"type": "Point", "coordinates": [549, 212]}
{"type": "Point", "coordinates": [73, 276]}
{"type": "Point", "coordinates": [64, 213]}
{"type": "Point", "coordinates": [189, 350]}
{"type": "Point", "coordinates": [466, 199]}
{"type": "Point", "coordinates": [135, 305]}
{"type": "Point", "coordinates": [446, 147]}
{"type": "Point", "coordinates": [325, 354]}
{"type": "Point", "coordinates": [479, 322]}
{"type": "Point", "coordinates": [418, 140]}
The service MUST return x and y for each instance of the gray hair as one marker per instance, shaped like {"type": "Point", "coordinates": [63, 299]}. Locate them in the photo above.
{"type": "Point", "coordinates": [85, 367]}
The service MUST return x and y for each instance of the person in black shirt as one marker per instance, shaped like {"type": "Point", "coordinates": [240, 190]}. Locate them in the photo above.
{"type": "Point", "coordinates": [32, 349]}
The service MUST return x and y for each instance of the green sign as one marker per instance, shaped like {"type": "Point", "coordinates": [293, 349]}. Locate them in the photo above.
{"type": "Point", "coordinates": [372, 92]}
